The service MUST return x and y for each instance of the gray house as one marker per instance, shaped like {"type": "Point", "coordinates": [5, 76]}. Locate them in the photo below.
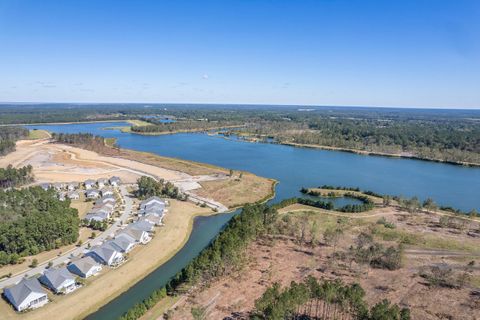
{"type": "Point", "coordinates": [84, 267]}
{"type": "Point", "coordinates": [106, 254]}
{"type": "Point", "coordinates": [27, 294]}
{"type": "Point", "coordinates": [59, 280]}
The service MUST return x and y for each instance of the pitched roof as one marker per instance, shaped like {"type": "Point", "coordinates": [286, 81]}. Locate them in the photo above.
{"type": "Point", "coordinates": [23, 289]}
{"type": "Point", "coordinates": [84, 264]}
{"type": "Point", "coordinates": [122, 242]}
{"type": "Point", "coordinates": [141, 225]}
{"type": "Point", "coordinates": [57, 276]}
{"type": "Point", "coordinates": [132, 233]}
{"type": "Point", "coordinates": [90, 181]}
{"type": "Point", "coordinates": [105, 251]}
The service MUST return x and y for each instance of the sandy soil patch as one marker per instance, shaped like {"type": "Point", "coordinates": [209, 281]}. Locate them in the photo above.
{"type": "Point", "coordinates": [143, 259]}
{"type": "Point", "coordinates": [236, 191]}
{"type": "Point", "coordinates": [282, 259]}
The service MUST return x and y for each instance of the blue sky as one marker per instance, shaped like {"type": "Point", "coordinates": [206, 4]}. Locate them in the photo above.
{"type": "Point", "coordinates": [324, 52]}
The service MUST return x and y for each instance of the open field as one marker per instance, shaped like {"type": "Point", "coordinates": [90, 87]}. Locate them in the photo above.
{"type": "Point", "coordinates": [284, 257]}
{"type": "Point", "coordinates": [110, 283]}
{"type": "Point", "coordinates": [39, 134]}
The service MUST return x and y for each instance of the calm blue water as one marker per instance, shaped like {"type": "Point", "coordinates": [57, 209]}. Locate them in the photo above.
{"type": "Point", "coordinates": [294, 168]}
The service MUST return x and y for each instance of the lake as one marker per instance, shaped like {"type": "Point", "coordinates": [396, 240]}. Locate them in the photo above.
{"type": "Point", "coordinates": [294, 168]}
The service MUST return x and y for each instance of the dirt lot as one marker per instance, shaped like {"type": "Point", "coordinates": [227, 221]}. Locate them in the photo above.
{"type": "Point", "coordinates": [283, 259]}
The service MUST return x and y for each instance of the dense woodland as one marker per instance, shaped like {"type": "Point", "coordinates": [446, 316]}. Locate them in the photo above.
{"type": "Point", "coordinates": [148, 187]}
{"type": "Point", "coordinates": [324, 299]}
{"type": "Point", "coordinates": [33, 220]}
{"type": "Point", "coordinates": [12, 177]}
{"type": "Point", "coordinates": [8, 137]}
{"type": "Point", "coordinates": [186, 125]}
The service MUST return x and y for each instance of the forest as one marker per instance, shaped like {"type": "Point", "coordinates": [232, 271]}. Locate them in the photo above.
{"type": "Point", "coordinates": [13, 177]}
{"type": "Point", "coordinates": [33, 220]}
{"type": "Point", "coordinates": [8, 137]}
{"type": "Point", "coordinates": [324, 299]}
{"type": "Point", "coordinates": [148, 187]}
{"type": "Point", "coordinates": [180, 126]}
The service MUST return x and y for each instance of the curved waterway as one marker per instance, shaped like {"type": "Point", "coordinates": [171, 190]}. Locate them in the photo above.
{"type": "Point", "coordinates": [294, 168]}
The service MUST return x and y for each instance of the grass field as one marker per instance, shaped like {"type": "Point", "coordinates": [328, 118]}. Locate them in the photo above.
{"type": "Point", "coordinates": [37, 134]}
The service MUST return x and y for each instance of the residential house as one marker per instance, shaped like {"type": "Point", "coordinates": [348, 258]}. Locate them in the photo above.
{"type": "Point", "coordinates": [102, 182]}
{"type": "Point", "coordinates": [61, 196]}
{"type": "Point", "coordinates": [73, 195]}
{"type": "Point", "coordinates": [106, 199]}
{"type": "Point", "coordinates": [71, 186]}
{"type": "Point", "coordinates": [45, 186]}
{"type": "Point", "coordinates": [150, 201]}
{"type": "Point", "coordinates": [123, 242]}
{"type": "Point", "coordinates": [115, 181]}
{"type": "Point", "coordinates": [106, 254]}
{"type": "Point", "coordinates": [90, 184]}
{"type": "Point", "coordinates": [92, 194]}
{"type": "Point", "coordinates": [27, 294]}
{"type": "Point", "coordinates": [59, 280]}
{"type": "Point", "coordinates": [141, 225]}
{"type": "Point", "coordinates": [107, 192]}
{"type": "Point", "coordinates": [59, 186]}
{"type": "Point", "coordinates": [139, 236]}
{"type": "Point", "coordinates": [154, 219]}
{"type": "Point", "coordinates": [84, 267]}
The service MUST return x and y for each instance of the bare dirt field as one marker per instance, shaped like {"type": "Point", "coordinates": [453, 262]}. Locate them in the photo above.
{"type": "Point", "coordinates": [284, 258]}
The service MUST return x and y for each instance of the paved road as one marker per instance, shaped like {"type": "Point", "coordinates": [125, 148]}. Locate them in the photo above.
{"type": "Point", "coordinates": [77, 251]}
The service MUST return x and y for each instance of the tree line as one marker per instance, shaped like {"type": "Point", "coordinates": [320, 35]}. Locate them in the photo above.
{"type": "Point", "coordinates": [13, 177]}
{"type": "Point", "coordinates": [185, 125]}
{"type": "Point", "coordinates": [33, 220]}
{"type": "Point", "coordinates": [149, 187]}
{"type": "Point", "coordinates": [324, 299]}
{"type": "Point", "coordinates": [8, 137]}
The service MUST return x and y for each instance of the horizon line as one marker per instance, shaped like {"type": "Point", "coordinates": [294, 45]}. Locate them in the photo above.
{"type": "Point", "coordinates": [240, 104]}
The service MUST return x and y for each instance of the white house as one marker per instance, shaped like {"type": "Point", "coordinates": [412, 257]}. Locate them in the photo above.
{"type": "Point", "coordinates": [123, 242]}
{"type": "Point", "coordinates": [152, 200]}
{"type": "Point", "coordinates": [72, 186]}
{"type": "Point", "coordinates": [59, 280]}
{"type": "Point", "coordinates": [92, 194]}
{"type": "Point", "coordinates": [107, 192]}
{"type": "Point", "coordinates": [102, 182]}
{"type": "Point", "coordinates": [89, 184]}
{"type": "Point", "coordinates": [142, 225]}
{"type": "Point", "coordinates": [73, 195]}
{"type": "Point", "coordinates": [84, 267]}
{"type": "Point", "coordinates": [106, 254]}
{"type": "Point", "coordinates": [45, 186]}
{"type": "Point", "coordinates": [27, 294]}
{"type": "Point", "coordinates": [153, 219]}
{"type": "Point", "coordinates": [115, 181]}
{"type": "Point", "coordinates": [139, 236]}
{"type": "Point", "coordinates": [106, 199]}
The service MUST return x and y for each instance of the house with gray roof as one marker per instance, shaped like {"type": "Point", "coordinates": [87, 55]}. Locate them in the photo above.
{"type": "Point", "coordinates": [102, 182]}
{"type": "Point", "coordinates": [139, 236]}
{"type": "Point", "coordinates": [115, 181]}
{"type": "Point", "coordinates": [45, 186]}
{"type": "Point", "coordinates": [92, 194]}
{"type": "Point", "coordinates": [71, 186]}
{"type": "Point", "coordinates": [154, 219]}
{"type": "Point", "coordinates": [73, 195]}
{"type": "Point", "coordinates": [27, 294]}
{"type": "Point", "coordinates": [90, 184]}
{"type": "Point", "coordinates": [107, 192]}
{"type": "Point", "coordinates": [84, 267]}
{"type": "Point", "coordinates": [123, 242]}
{"type": "Point", "coordinates": [152, 200]}
{"type": "Point", "coordinates": [106, 199]}
{"type": "Point", "coordinates": [141, 225]}
{"type": "Point", "coordinates": [106, 254]}
{"type": "Point", "coordinates": [59, 280]}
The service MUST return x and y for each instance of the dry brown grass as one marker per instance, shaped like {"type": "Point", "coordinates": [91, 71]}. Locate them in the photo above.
{"type": "Point", "coordinates": [235, 191]}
